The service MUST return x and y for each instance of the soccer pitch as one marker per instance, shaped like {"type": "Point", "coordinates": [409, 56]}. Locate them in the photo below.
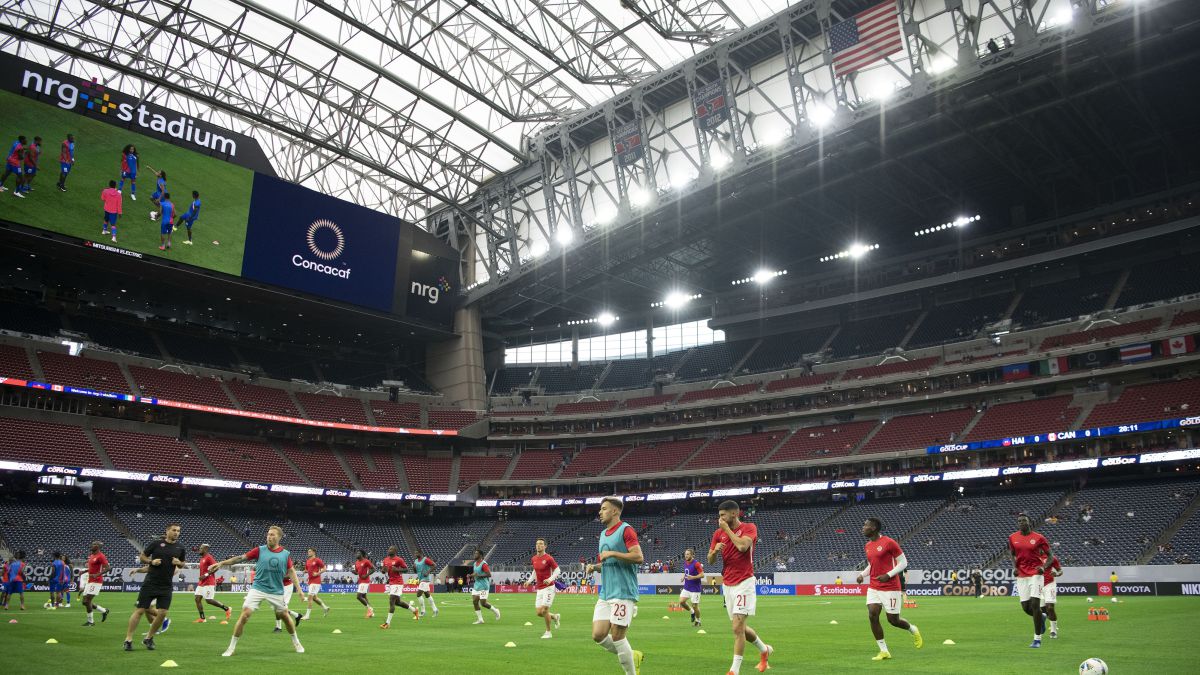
{"type": "Point", "coordinates": [224, 188]}
{"type": "Point", "coordinates": [1145, 635]}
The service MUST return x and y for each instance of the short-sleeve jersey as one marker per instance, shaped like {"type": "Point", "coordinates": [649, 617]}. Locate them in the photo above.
{"type": "Point", "coordinates": [738, 565]}
{"type": "Point", "coordinates": [881, 558]}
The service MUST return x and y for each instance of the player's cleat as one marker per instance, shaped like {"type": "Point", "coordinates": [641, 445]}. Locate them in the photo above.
{"type": "Point", "coordinates": [228, 613]}
{"type": "Point", "coordinates": [557, 621]}
{"type": "Point", "coordinates": [477, 622]}
{"type": "Point", "coordinates": [1035, 644]}
{"type": "Point", "coordinates": [370, 613]}
{"type": "Point", "coordinates": [152, 214]}
{"type": "Point", "coordinates": [104, 615]}
{"type": "Point", "coordinates": [416, 615]}
{"type": "Point", "coordinates": [63, 188]}
{"type": "Point", "coordinates": [88, 624]}
{"type": "Point", "coordinates": [434, 613]}
{"type": "Point", "coordinates": [637, 661]}
{"type": "Point", "coordinates": [162, 248]}
{"type": "Point", "coordinates": [385, 626]}
{"type": "Point", "coordinates": [20, 194]}
{"type": "Point", "coordinates": [299, 648]}
{"type": "Point", "coordinates": [68, 605]}
{"type": "Point", "coordinates": [227, 652]}
{"type": "Point", "coordinates": [918, 641]}
{"type": "Point", "coordinates": [326, 612]}
{"type": "Point", "coordinates": [149, 643]}
{"type": "Point", "coordinates": [763, 666]}
{"type": "Point", "coordinates": [882, 656]}
{"type": "Point", "coordinates": [165, 626]}
{"type": "Point", "coordinates": [3, 189]}
{"type": "Point", "coordinates": [128, 646]}
{"type": "Point", "coordinates": [199, 621]}
{"type": "Point", "coordinates": [547, 635]}
{"type": "Point", "coordinates": [1054, 634]}
{"type": "Point", "coordinates": [277, 630]}
{"type": "Point", "coordinates": [104, 231]}
{"type": "Point", "coordinates": [114, 239]}
{"type": "Point", "coordinates": [189, 242]}
{"type": "Point", "coordinates": [133, 197]}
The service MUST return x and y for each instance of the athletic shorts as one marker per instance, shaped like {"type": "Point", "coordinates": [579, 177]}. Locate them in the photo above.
{"type": "Point", "coordinates": [892, 601]}
{"type": "Point", "coordinates": [545, 597]}
{"type": "Point", "coordinates": [690, 596]}
{"type": "Point", "coordinates": [425, 587]}
{"type": "Point", "coordinates": [364, 588]}
{"type": "Point", "coordinates": [255, 597]}
{"type": "Point", "coordinates": [1030, 587]}
{"type": "Point", "coordinates": [110, 218]}
{"type": "Point", "coordinates": [288, 590]}
{"type": "Point", "coordinates": [55, 587]}
{"type": "Point", "coordinates": [16, 587]}
{"type": "Point", "coordinates": [206, 592]}
{"type": "Point", "coordinates": [65, 167]}
{"type": "Point", "coordinates": [131, 175]}
{"type": "Point", "coordinates": [188, 217]}
{"type": "Point", "coordinates": [156, 194]}
{"type": "Point", "coordinates": [161, 597]}
{"type": "Point", "coordinates": [31, 171]}
{"type": "Point", "coordinates": [616, 612]}
{"type": "Point", "coordinates": [1049, 592]}
{"type": "Point", "coordinates": [165, 228]}
{"type": "Point", "coordinates": [741, 598]}
{"type": "Point", "coordinates": [93, 589]}
{"type": "Point", "coordinates": [395, 589]}
{"type": "Point", "coordinates": [314, 589]}
{"type": "Point", "coordinates": [9, 168]}
{"type": "Point", "coordinates": [482, 594]}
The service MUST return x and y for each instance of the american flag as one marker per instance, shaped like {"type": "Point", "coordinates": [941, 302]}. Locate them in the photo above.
{"type": "Point", "coordinates": [865, 38]}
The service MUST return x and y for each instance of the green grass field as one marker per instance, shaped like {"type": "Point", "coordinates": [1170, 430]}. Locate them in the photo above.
{"type": "Point", "coordinates": [224, 188]}
{"type": "Point", "coordinates": [1145, 635]}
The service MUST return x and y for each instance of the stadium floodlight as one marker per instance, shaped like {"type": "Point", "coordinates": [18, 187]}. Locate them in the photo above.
{"type": "Point", "coordinates": [820, 115]}
{"type": "Point", "coordinates": [539, 249]}
{"type": "Point", "coordinates": [638, 196]}
{"type": "Point", "coordinates": [683, 179]}
{"type": "Point", "coordinates": [606, 319]}
{"type": "Point", "coordinates": [605, 215]}
{"type": "Point", "coordinates": [720, 160]}
{"type": "Point", "coordinates": [761, 277]}
{"type": "Point", "coordinates": [941, 64]}
{"type": "Point", "coordinates": [564, 236]}
{"type": "Point", "coordinates": [856, 252]}
{"type": "Point", "coordinates": [775, 137]}
{"type": "Point", "coordinates": [675, 300]}
{"type": "Point", "coordinates": [959, 222]}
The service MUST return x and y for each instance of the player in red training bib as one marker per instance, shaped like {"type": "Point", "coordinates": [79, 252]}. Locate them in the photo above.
{"type": "Point", "coordinates": [395, 567]}
{"type": "Point", "coordinates": [314, 567]}
{"type": "Point", "coordinates": [363, 568]}
{"type": "Point", "coordinates": [545, 573]}
{"type": "Point", "coordinates": [734, 542]}
{"type": "Point", "coordinates": [885, 566]}
{"type": "Point", "coordinates": [1031, 556]}
{"type": "Point", "coordinates": [1050, 594]}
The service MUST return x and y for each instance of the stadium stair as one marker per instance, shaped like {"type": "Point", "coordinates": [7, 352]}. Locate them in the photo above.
{"type": "Point", "coordinates": [401, 474]}
{"type": "Point", "coordinates": [341, 459]}
{"type": "Point", "coordinates": [34, 363]}
{"type": "Point", "coordinates": [766, 459]}
{"type": "Point", "coordinates": [512, 465]}
{"type": "Point", "coordinates": [409, 538]}
{"type": "Point", "coordinates": [232, 530]}
{"type": "Point", "coordinates": [866, 439]}
{"type": "Point", "coordinates": [229, 392]}
{"type": "Point", "coordinates": [119, 527]}
{"type": "Point", "coordinates": [129, 382]}
{"type": "Point", "coordinates": [1085, 402]}
{"type": "Point", "coordinates": [455, 469]}
{"type": "Point", "coordinates": [160, 345]}
{"type": "Point", "coordinates": [96, 445]}
{"type": "Point", "coordinates": [603, 374]}
{"type": "Point", "coordinates": [913, 329]}
{"type": "Point", "coordinates": [808, 535]}
{"type": "Point", "coordinates": [971, 425]}
{"type": "Point", "coordinates": [287, 460]}
{"type": "Point", "coordinates": [370, 415]}
{"type": "Point", "coordinates": [296, 402]}
{"type": "Point", "coordinates": [692, 456]}
{"type": "Point", "coordinates": [201, 456]}
{"type": "Point", "coordinates": [1188, 512]}
{"type": "Point", "coordinates": [737, 367]}
{"type": "Point", "coordinates": [915, 531]}
{"type": "Point", "coordinates": [1118, 288]}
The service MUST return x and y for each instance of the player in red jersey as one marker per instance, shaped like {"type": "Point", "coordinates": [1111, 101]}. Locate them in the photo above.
{"type": "Point", "coordinates": [1031, 556]}
{"type": "Point", "coordinates": [363, 567]}
{"type": "Point", "coordinates": [885, 566]}
{"type": "Point", "coordinates": [395, 567]}
{"type": "Point", "coordinates": [734, 541]}
{"type": "Point", "coordinates": [97, 567]}
{"type": "Point", "coordinates": [545, 573]}
{"type": "Point", "coordinates": [206, 588]}
{"type": "Point", "coordinates": [1050, 594]}
{"type": "Point", "coordinates": [315, 567]}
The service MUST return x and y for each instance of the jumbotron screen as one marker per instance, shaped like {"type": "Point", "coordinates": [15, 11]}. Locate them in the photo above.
{"type": "Point", "coordinates": [128, 176]}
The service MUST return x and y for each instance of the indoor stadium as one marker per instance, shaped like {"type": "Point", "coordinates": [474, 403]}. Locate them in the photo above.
{"type": "Point", "coordinates": [492, 335]}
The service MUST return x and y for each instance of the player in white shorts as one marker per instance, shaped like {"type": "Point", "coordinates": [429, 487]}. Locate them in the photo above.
{"type": "Point", "coordinates": [288, 590]}
{"type": "Point", "coordinates": [1050, 594]}
{"type": "Point", "coordinates": [545, 572]}
{"type": "Point", "coordinates": [273, 563]}
{"type": "Point", "coordinates": [97, 566]}
{"type": "Point", "coordinates": [314, 567]}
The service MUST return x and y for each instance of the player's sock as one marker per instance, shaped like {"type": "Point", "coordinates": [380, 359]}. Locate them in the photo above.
{"type": "Point", "coordinates": [1054, 626]}
{"type": "Point", "coordinates": [607, 643]}
{"type": "Point", "coordinates": [1037, 638]}
{"type": "Point", "coordinates": [495, 610]}
{"type": "Point", "coordinates": [232, 644]}
{"type": "Point", "coordinates": [421, 601]}
{"type": "Point", "coordinates": [882, 645]}
{"type": "Point", "coordinates": [479, 615]}
{"type": "Point", "coordinates": [389, 619]}
{"type": "Point", "coordinates": [100, 609]}
{"type": "Point", "coordinates": [737, 664]}
{"type": "Point", "coordinates": [432, 605]}
{"type": "Point", "coordinates": [625, 655]}
{"type": "Point", "coordinates": [278, 624]}
{"type": "Point", "coordinates": [90, 617]}
{"type": "Point", "coordinates": [295, 638]}
{"type": "Point", "coordinates": [912, 628]}
{"type": "Point", "coordinates": [760, 645]}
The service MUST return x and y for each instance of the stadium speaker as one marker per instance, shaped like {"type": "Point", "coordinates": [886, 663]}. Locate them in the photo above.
{"type": "Point", "coordinates": [394, 394]}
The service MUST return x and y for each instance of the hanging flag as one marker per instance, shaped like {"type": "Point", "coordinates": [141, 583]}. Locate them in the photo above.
{"type": "Point", "coordinates": [1179, 345]}
{"type": "Point", "coordinates": [1056, 366]}
{"type": "Point", "coordinates": [1138, 352]}
{"type": "Point", "coordinates": [711, 106]}
{"type": "Point", "coordinates": [627, 143]}
{"type": "Point", "coordinates": [1016, 371]}
{"type": "Point", "coordinates": [865, 38]}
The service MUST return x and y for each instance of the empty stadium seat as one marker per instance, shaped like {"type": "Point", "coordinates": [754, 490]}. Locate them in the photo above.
{"type": "Point", "coordinates": [14, 362]}
{"type": "Point", "coordinates": [428, 474]}
{"type": "Point", "coordinates": [376, 470]}
{"type": "Point", "coordinates": [1147, 403]}
{"type": "Point", "coordinates": [832, 440]}
{"type": "Point", "coordinates": [535, 464]}
{"type": "Point", "coordinates": [258, 398]}
{"type": "Point", "coordinates": [80, 371]}
{"type": "Point", "coordinates": [30, 441]}
{"type": "Point", "coordinates": [593, 460]}
{"type": "Point", "coordinates": [919, 431]}
{"type": "Point", "coordinates": [390, 414]}
{"type": "Point", "coordinates": [149, 452]}
{"type": "Point", "coordinates": [1014, 419]}
{"type": "Point", "coordinates": [474, 468]}
{"type": "Point", "coordinates": [735, 450]}
{"type": "Point", "coordinates": [655, 457]}
{"type": "Point", "coordinates": [176, 386]}
{"type": "Point", "coordinates": [242, 459]}
{"type": "Point", "coordinates": [343, 409]}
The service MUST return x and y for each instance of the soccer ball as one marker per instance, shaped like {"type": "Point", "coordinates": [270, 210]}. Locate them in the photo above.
{"type": "Point", "coordinates": [46, 605]}
{"type": "Point", "coordinates": [1093, 667]}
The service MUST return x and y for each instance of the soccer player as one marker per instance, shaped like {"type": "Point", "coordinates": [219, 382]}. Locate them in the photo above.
{"type": "Point", "coordinates": [395, 566]}
{"type": "Point", "coordinates": [545, 573]}
{"type": "Point", "coordinates": [167, 214]}
{"type": "Point", "coordinates": [288, 589]}
{"type": "Point", "coordinates": [481, 588]}
{"type": "Point", "coordinates": [129, 169]}
{"type": "Point", "coordinates": [111, 198]}
{"type": "Point", "coordinates": [33, 155]}
{"type": "Point", "coordinates": [314, 567]}
{"type": "Point", "coordinates": [164, 557]}
{"type": "Point", "coordinates": [97, 567]}
{"type": "Point", "coordinates": [13, 165]}
{"type": "Point", "coordinates": [190, 216]}
{"type": "Point", "coordinates": [363, 566]}
{"type": "Point", "coordinates": [160, 189]}
{"type": "Point", "coordinates": [425, 568]}
{"type": "Point", "coordinates": [66, 160]}
{"type": "Point", "coordinates": [977, 582]}
{"type": "Point", "coordinates": [55, 580]}
{"type": "Point", "coordinates": [206, 588]}
{"type": "Point", "coordinates": [1031, 556]}
{"type": "Point", "coordinates": [65, 580]}
{"type": "Point", "coordinates": [272, 562]}
{"type": "Point", "coordinates": [618, 560]}
{"type": "Point", "coordinates": [1050, 594]}
{"type": "Point", "coordinates": [16, 579]}
{"type": "Point", "coordinates": [734, 542]}
{"type": "Point", "coordinates": [885, 568]}
{"type": "Point", "coordinates": [693, 575]}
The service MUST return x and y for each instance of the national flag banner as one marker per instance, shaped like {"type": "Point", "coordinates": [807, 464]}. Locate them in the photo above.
{"type": "Point", "coordinates": [627, 143]}
{"type": "Point", "coordinates": [711, 105]}
{"type": "Point", "coordinates": [1138, 352]}
{"type": "Point", "coordinates": [1179, 345]}
{"type": "Point", "coordinates": [1016, 371]}
{"type": "Point", "coordinates": [1057, 365]}
{"type": "Point", "coordinates": [865, 38]}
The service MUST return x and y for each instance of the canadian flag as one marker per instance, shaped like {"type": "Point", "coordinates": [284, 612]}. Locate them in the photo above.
{"type": "Point", "coordinates": [1179, 345]}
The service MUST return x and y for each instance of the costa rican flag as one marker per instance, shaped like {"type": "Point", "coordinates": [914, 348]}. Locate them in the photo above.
{"type": "Point", "coordinates": [1139, 352]}
{"type": "Point", "coordinates": [865, 38]}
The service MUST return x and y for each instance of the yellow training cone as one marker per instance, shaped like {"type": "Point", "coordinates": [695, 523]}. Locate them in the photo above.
{"type": "Point", "coordinates": [169, 664]}
{"type": "Point", "coordinates": [949, 642]}
{"type": "Point", "coordinates": [510, 644]}
{"type": "Point", "coordinates": [666, 617]}
{"type": "Point", "coordinates": [833, 622]}
{"type": "Point", "coordinates": [528, 623]}
{"type": "Point", "coordinates": [337, 631]}
{"type": "Point", "coordinates": [701, 632]}
{"type": "Point", "coordinates": [51, 641]}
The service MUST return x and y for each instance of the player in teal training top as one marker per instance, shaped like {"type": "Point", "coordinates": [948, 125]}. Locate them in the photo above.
{"type": "Point", "coordinates": [620, 555]}
{"type": "Point", "coordinates": [271, 563]}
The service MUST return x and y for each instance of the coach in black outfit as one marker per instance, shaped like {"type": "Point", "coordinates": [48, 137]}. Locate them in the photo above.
{"type": "Point", "coordinates": [163, 557]}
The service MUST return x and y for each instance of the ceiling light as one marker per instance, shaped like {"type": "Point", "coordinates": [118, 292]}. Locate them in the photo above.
{"type": "Point", "coordinates": [638, 196]}
{"type": "Point", "coordinates": [539, 249]}
{"type": "Point", "coordinates": [820, 115]}
{"type": "Point", "coordinates": [676, 300]}
{"type": "Point", "coordinates": [564, 236]}
{"type": "Point", "coordinates": [605, 215]}
{"type": "Point", "coordinates": [856, 251]}
{"type": "Point", "coordinates": [606, 319]}
{"type": "Point", "coordinates": [941, 64]}
{"type": "Point", "coordinates": [720, 160]}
